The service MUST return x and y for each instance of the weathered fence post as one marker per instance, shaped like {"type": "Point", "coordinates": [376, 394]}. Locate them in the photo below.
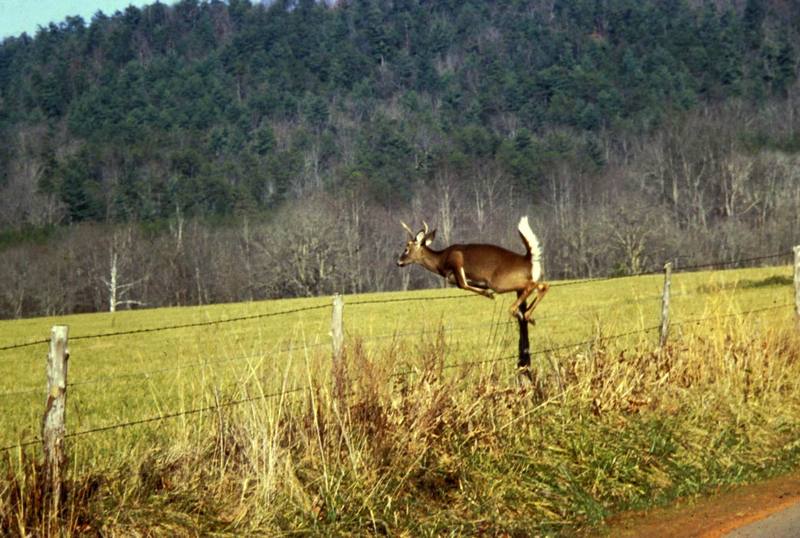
{"type": "Point", "coordinates": [524, 361]}
{"type": "Point", "coordinates": [53, 422]}
{"type": "Point", "coordinates": [337, 344]}
{"type": "Point", "coordinates": [797, 284]}
{"type": "Point", "coordinates": [665, 305]}
{"type": "Point", "coordinates": [337, 333]}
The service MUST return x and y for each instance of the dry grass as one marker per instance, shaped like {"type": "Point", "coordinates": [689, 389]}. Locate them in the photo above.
{"type": "Point", "coordinates": [465, 452]}
{"type": "Point", "coordinates": [406, 441]}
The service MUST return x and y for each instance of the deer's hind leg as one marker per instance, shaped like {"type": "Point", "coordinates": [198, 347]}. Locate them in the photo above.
{"type": "Point", "coordinates": [522, 296]}
{"type": "Point", "coordinates": [541, 290]}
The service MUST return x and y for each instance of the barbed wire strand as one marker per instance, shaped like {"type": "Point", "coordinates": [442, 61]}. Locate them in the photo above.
{"type": "Point", "coordinates": [24, 344]}
{"type": "Point", "coordinates": [171, 327]}
{"type": "Point", "coordinates": [411, 299]}
{"type": "Point", "coordinates": [731, 262]}
{"type": "Point", "coordinates": [147, 373]}
{"type": "Point", "coordinates": [685, 269]}
{"type": "Point", "coordinates": [161, 417]}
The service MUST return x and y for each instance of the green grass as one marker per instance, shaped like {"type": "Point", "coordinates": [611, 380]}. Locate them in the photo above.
{"type": "Point", "coordinates": [441, 448]}
{"type": "Point", "coordinates": [187, 363]}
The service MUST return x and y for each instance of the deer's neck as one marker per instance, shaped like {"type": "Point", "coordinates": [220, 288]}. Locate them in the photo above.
{"type": "Point", "coordinates": [432, 261]}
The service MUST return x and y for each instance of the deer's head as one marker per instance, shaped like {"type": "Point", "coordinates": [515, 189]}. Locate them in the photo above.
{"type": "Point", "coordinates": [416, 246]}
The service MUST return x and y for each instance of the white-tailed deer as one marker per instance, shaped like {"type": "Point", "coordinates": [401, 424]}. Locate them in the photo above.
{"type": "Point", "coordinates": [484, 269]}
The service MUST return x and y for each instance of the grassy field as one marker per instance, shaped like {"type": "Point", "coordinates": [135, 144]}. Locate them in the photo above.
{"type": "Point", "coordinates": [415, 444]}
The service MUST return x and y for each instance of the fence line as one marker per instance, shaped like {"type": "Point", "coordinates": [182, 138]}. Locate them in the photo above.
{"type": "Point", "coordinates": [147, 373]}
{"type": "Point", "coordinates": [446, 330]}
{"type": "Point", "coordinates": [220, 360]}
{"type": "Point", "coordinates": [384, 336]}
{"type": "Point", "coordinates": [598, 338]}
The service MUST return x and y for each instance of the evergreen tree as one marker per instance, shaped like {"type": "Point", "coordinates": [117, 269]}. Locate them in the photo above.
{"type": "Point", "coordinates": [380, 86]}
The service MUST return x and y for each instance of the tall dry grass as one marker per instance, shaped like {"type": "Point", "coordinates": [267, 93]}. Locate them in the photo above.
{"type": "Point", "coordinates": [454, 451]}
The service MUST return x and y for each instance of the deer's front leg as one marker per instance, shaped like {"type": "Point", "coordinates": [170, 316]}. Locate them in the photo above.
{"type": "Point", "coordinates": [461, 278]}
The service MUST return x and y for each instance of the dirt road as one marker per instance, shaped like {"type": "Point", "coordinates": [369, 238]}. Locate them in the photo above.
{"type": "Point", "coordinates": [728, 513]}
{"type": "Point", "coordinates": [783, 524]}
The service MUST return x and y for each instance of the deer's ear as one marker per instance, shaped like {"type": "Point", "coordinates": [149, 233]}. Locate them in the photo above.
{"type": "Point", "coordinates": [429, 238]}
{"type": "Point", "coordinates": [419, 237]}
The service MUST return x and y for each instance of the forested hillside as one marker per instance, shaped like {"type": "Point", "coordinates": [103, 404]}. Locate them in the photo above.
{"type": "Point", "coordinates": [211, 151]}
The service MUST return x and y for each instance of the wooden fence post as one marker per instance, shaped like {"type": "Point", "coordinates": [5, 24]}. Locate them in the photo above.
{"type": "Point", "coordinates": [338, 368]}
{"type": "Point", "coordinates": [337, 332]}
{"type": "Point", "coordinates": [797, 284]}
{"type": "Point", "coordinates": [53, 422]}
{"type": "Point", "coordinates": [665, 305]}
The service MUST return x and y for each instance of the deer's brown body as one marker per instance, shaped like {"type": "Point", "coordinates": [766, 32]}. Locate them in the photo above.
{"type": "Point", "coordinates": [481, 268]}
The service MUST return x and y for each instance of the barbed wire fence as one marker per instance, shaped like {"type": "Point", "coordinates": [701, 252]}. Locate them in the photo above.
{"type": "Point", "coordinates": [53, 439]}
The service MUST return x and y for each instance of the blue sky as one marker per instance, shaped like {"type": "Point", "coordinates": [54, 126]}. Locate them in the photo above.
{"type": "Point", "coordinates": [17, 16]}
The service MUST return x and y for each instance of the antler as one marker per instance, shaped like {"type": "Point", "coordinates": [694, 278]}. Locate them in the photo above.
{"type": "Point", "coordinates": [405, 226]}
{"type": "Point", "coordinates": [426, 227]}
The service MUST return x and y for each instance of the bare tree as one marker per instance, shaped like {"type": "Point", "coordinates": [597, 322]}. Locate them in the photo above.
{"type": "Point", "coordinates": [487, 189]}
{"type": "Point", "coordinates": [120, 260]}
{"type": "Point", "coordinates": [21, 202]}
{"type": "Point", "coordinates": [737, 196]}
{"type": "Point", "coordinates": [302, 250]}
{"type": "Point", "coordinates": [445, 201]}
{"type": "Point", "coordinates": [352, 210]}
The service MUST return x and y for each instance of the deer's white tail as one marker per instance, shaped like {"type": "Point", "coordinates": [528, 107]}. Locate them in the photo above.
{"type": "Point", "coordinates": [534, 249]}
